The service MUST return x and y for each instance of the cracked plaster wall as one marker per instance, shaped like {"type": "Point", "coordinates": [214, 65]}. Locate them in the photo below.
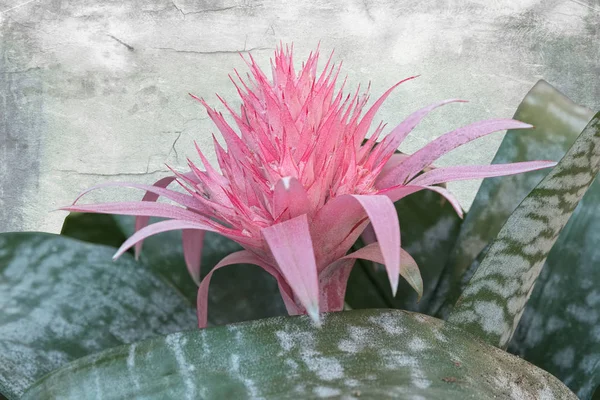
{"type": "Point", "coordinates": [92, 91]}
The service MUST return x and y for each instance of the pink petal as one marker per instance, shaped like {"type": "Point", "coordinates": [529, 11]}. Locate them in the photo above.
{"type": "Point", "coordinates": [142, 221]}
{"type": "Point", "coordinates": [391, 142]}
{"type": "Point", "coordinates": [289, 197]}
{"type": "Point", "coordinates": [384, 218]}
{"type": "Point", "coordinates": [158, 227]}
{"type": "Point", "coordinates": [291, 246]}
{"type": "Point", "coordinates": [193, 241]}
{"type": "Point", "coordinates": [458, 173]}
{"type": "Point", "coordinates": [333, 285]}
{"type": "Point", "coordinates": [408, 267]}
{"type": "Point", "coordinates": [366, 121]}
{"type": "Point", "coordinates": [368, 235]}
{"type": "Point", "coordinates": [141, 208]}
{"type": "Point", "coordinates": [440, 146]}
{"type": "Point", "coordinates": [398, 192]}
{"type": "Point", "coordinates": [241, 257]}
{"type": "Point", "coordinates": [394, 161]}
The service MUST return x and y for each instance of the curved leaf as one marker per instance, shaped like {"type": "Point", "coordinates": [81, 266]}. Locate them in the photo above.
{"type": "Point", "coordinates": [62, 299]}
{"type": "Point", "coordinates": [493, 301]}
{"type": "Point", "coordinates": [557, 121]}
{"type": "Point", "coordinates": [357, 354]}
{"type": "Point", "coordinates": [558, 330]}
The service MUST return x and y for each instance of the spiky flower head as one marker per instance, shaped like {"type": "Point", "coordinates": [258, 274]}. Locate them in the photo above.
{"type": "Point", "coordinates": [299, 182]}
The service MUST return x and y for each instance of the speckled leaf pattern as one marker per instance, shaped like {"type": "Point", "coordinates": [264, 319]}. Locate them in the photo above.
{"type": "Point", "coordinates": [563, 304]}
{"type": "Point", "coordinates": [372, 354]}
{"type": "Point", "coordinates": [560, 328]}
{"type": "Point", "coordinates": [558, 121]}
{"type": "Point", "coordinates": [492, 303]}
{"type": "Point", "coordinates": [62, 299]}
{"type": "Point", "coordinates": [429, 229]}
{"type": "Point", "coordinates": [237, 293]}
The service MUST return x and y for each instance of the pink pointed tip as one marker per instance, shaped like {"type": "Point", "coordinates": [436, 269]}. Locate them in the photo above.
{"type": "Point", "coordinates": [394, 284]}
{"type": "Point", "coordinates": [195, 97]}
{"type": "Point", "coordinates": [313, 313]}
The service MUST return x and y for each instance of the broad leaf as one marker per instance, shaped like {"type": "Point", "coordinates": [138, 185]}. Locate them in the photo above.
{"type": "Point", "coordinates": [237, 293]}
{"type": "Point", "coordinates": [558, 122]}
{"type": "Point", "coordinates": [558, 329]}
{"type": "Point", "coordinates": [62, 299]}
{"type": "Point", "coordinates": [371, 354]}
{"type": "Point", "coordinates": [493, 301]}
{"type": "Point", "coordinates": [429, 226]}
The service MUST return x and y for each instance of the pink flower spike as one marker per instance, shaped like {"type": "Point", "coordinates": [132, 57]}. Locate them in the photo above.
{"type": "Point", "coordinates": [297, 183]}
{"type": "Point", "coordinates": [193, 242]}
{"type": "Point", "coordinates": [292, 247]}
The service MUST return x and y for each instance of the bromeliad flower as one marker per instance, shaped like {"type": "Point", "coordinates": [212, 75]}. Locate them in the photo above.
{"type": "Point", "coordinates": [300, 183]}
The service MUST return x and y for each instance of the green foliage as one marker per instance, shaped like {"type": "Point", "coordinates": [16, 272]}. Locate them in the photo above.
{"type": "Point", "coordinates": [558, 330]}
{"type": "Point", "coordinates": [557, 121]}
{"type": "Point", "coordinates": [62, 299]}
{"type": "Point", "coordinates": [358, 354]}
{"type": "Point", "coordinates": [493, 301]}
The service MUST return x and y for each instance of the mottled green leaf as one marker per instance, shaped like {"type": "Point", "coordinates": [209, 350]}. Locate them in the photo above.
{"type": "Point", "coordinates": [429, 227]}
{"type": "Point", "coordinates": [62, 299]}
{"type": "Point", "coordinates": [237, 293]}
{"type": "Point", "coordinates": [560, 328]}
{"type": "Point", "coordinates": [558, 121]}
{"type": "Point", "coordinates": [493, 301]}
{"type": "Point", "coordinates": [370, 354]}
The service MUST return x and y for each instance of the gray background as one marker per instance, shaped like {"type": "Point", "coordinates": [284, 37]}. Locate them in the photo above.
{"type": "Point", "coordinates": [94, 91]}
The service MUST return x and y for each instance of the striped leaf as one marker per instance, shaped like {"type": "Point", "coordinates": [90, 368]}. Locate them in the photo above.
{"type": "Point", "coordinates": [371, 354]}
{"type": "Point", "coordinates": [62, 299]}
{"type": "Point", "coordinates": [492, 303]}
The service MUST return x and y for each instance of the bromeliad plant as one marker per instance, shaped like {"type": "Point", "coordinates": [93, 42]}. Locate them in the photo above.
{"type": "Point", "coordinates": [298, 184]}
{"type": "Point", "coordinates": [301, 184]}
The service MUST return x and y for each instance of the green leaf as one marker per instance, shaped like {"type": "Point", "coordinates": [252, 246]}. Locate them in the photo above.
{"type": "Point", "coordinates": [429, 227]}
{"type": "Point", "coordinates": [237, 293]}
{"type": "Point", "coordinates": [372, 354]}
{"type": "Point", "coordinates": [62, 299]}
{"type": "Point", "coordinates": [492, 303]}
{"type": "Point", "coordinates": [558, 121]}
{"type": "Point", "coordinates": [558, 330]}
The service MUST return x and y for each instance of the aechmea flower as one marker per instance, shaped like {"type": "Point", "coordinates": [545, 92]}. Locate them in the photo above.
{"type": "Point", "coordinates": [299, 182]}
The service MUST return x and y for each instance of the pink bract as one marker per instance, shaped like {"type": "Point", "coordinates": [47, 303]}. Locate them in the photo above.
{"type": "Point", "coordinates": [298, 184]}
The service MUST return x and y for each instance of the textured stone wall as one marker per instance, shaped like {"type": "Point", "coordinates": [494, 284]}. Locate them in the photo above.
{"type": "Point", "coordinates": [92, 91]}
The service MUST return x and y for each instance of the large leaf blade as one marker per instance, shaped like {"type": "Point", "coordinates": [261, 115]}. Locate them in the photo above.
{"type": "Point", "coordinates": [62, 299]}
{"type": "Point", "coordinates": [357, 354]}
{"type": "Point", "coordinates": [493, 301]}
{"type": "Point", "coordinates": [558, 329]}
{"type": "Point", "coordinates": [558, 121]}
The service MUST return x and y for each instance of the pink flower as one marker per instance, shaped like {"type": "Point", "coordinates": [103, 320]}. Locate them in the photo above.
{"type": "Point", "coordinates": [299, 184]}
